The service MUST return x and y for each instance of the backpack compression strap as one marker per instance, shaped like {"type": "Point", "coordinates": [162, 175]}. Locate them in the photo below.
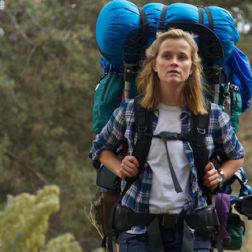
{"type": "Point", "coordinates": [209, 15]}
{"type": "Point", "coordinates": [203, 38]}
{"type": "Point", "coordinates": [162, 18]}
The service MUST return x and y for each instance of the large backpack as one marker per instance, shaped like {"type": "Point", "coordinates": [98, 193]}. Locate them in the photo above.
{"type": "Point", "coordinates": [141, 31]}
{"type": "Point", "coordinates": [221, 86]}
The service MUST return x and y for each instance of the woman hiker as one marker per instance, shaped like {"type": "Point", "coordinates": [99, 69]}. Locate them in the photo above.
{"type": "Point", "coordinates": [170, 83]}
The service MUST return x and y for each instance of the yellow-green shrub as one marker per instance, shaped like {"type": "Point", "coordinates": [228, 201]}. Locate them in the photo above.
{"type": "Point", "coordinates": [24, 222]}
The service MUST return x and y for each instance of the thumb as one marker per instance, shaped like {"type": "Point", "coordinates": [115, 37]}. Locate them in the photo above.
{"type": "Point", "coordinates": [209, 166]}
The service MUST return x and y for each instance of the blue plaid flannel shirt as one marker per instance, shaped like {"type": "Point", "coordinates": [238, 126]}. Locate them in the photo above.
{"type": "Point", "coordinates": [220, 138]}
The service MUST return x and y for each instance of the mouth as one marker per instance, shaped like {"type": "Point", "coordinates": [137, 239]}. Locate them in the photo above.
{"type": "Point", "coordinates": [173, 72]}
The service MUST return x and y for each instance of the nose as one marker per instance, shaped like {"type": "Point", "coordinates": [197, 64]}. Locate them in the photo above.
{"type": "Point", "coordinates": [174, 61]}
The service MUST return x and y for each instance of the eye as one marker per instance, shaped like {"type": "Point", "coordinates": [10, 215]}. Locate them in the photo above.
{"type": "Point", "coordinates": [183, 57]}
{"type": "Point", "coordinates": [167, 56]}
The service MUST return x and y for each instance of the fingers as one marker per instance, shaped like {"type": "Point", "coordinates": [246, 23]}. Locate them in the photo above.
{"type": "Point", "coordinates": [210, 166]}
{"type": "Point", "coordinates": [129, 167]}
{"type": "Point", "coordinates": [211, 177]}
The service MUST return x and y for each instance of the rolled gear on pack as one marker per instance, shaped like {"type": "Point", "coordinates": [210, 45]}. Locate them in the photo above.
{"type": "Point", "coordinates": [122, 15]}
{"type": "Point", "coordinates": [222, 22]}
{"type": "Point", "coordinates": [115, 21]}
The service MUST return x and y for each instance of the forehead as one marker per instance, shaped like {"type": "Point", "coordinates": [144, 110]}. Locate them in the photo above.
{"type": "Point", "coordinates": [175, 45]}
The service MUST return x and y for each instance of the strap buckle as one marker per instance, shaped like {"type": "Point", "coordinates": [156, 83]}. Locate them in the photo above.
{"type": "Point", "coordinates": [171, 221]}
{"type": "Point", "coordinates": [168, 135]}
{"type": "Point", "coordinates": [201, 131]}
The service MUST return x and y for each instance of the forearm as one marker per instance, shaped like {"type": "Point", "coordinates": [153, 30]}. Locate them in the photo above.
{"type": "Point", "coordinates": [128, 167]}
{"type": "Point", "coordinates": [212, 176]}
{"type": "Point", "coordinates": [230, 167]}
{"type": "Point", "coordinates": [110, 160]}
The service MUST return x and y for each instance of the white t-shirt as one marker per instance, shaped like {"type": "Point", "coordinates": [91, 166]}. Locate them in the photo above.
{"type": "Point", "coordinates": [163, 197]}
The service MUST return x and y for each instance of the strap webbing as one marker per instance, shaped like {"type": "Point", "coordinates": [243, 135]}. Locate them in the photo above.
{"type": "Point", "coordinates": [143, 18]}
{"type": "Point", "coordinates": [177, 186]}
{"type": "Point", "coordinates": [200, 153]}
{"type": "Point", "coordinates": [210, 18]}
{"type": "Point", "coordinates": [110, 228]}
{"type": "Point", "coordinates": [188, 239]}
{"type": "Point", "coordinates": [165, 136]}
{"type": "Point", "coordinates": [143, 128]}
{"type": "Point", "coordinates": [203, 38]}
{"type": "Point", "coordinates": [154, 235]}
{"type": "Point", "coordinates": [209, 15]}
{"type": "Point", "coordinates": [143, 34]}
{"type": "Point", "coordinates": [162, 17]}
{"type": "Point", "coordinates": [104, 55]}
{"type": "Point", "coordinates": [201, 16]}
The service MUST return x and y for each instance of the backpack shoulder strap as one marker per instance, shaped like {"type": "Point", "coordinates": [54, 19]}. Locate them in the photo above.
{"type": "Point", "coordinates": [197, 141]}
{"type": "Point", "coordinates": [143, 129]}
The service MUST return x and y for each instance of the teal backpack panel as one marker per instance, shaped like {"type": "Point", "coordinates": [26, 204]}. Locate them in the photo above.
{"type": "Point", "coordinates": [231, 100]}
{"type": "Point", "coordinates": [231, 93]}
{"type": "Point", "coordinates": [236, 229]}
{"type": "Point", "coordinates": [108, 96]}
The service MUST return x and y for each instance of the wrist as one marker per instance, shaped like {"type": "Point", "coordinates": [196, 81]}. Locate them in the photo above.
{"type": "Point", "coordinates": [221, 179]}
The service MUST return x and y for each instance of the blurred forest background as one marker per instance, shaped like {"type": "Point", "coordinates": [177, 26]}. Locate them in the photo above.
{"type": "Point", "coordinates": [49, 67]}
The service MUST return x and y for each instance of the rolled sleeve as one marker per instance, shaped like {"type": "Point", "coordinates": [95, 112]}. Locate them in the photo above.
{"type": "Point", "coordinates": [112, 135]}
{"type": "Point", "coordinates": [226, 141]}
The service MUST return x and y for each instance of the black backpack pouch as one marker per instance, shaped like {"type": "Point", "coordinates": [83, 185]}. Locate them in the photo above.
{"type": "Point", "coordinates": [107, 179]}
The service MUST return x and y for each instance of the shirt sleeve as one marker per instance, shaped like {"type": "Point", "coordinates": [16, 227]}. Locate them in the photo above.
{"type": "Point", "coordinates": [227, 145]}
{"type": "Point", "coordinates": [112, 135]}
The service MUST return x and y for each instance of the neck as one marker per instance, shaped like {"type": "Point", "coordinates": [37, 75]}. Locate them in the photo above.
{"type": "Point", "coordinates": [171, 96]}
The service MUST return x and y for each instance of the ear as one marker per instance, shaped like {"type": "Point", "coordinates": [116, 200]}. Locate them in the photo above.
{"type": "Point", "coordinates": [154, 66]}
{"type": "Point", "coordinates": [192, 69]}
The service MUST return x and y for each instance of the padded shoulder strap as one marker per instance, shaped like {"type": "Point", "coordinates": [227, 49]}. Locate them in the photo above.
{"type": "Point", "coordinates": [143, 129]}
{"type": "Point", "coordinates": [200, 153]}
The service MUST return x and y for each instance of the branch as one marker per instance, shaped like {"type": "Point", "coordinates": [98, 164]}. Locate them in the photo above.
{"type": "Point", "coordinates": [37, 174]}
{"type": "Point", "coordinates": [34, 21]}
{"type": "Point", "coordinates": [12, 92]}
{"type": "Point", "coordinates": [18, 28]}
{"type": "Point", "coordinates": [28, 60]}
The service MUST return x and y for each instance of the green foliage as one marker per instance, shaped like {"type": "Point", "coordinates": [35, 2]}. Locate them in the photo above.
{"type": "Point", "coordinates": [24, 222]}
{"type": "Point", "coordinates": [49, 67]}
{"type": "Point", "coordinates": [64, 243]}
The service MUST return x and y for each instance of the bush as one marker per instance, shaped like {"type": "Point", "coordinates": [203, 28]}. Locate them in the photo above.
{"type": "Point", "coordinates": [24, 222]}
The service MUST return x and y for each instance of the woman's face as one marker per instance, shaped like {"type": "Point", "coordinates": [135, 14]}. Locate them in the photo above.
{"type": "Point", "coordinates": [173, 63]}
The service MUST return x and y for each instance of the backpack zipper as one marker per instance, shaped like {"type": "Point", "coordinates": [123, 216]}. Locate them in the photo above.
{"type": "Point", "coordinates": [234, 89]}
{"type": "Point", "coordinates": [106, 85]}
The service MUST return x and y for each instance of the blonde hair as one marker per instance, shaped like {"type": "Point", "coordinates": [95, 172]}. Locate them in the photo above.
{"type": "Point", "coordinates": [148, 81]}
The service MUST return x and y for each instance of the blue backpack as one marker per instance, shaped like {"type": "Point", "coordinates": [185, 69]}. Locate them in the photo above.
{"type": "Point", "coordinates": [227, 70]}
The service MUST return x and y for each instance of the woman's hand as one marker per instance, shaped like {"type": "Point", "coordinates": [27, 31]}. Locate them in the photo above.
{"type": "Point", "coordinates": [211, 177]}
{"type": "Point", "coordinates": [129, 167]}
